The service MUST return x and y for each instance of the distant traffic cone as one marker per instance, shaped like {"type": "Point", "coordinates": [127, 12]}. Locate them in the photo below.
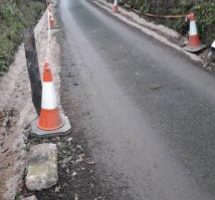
{"type": "Point", "coordinates": [50, 117]}
{"type": "Point", "coordinates": [194, 40]}
{"type": "Point", "coordinates": [194, 43]}
{"type": "Point", "coordinates": [115, 6]}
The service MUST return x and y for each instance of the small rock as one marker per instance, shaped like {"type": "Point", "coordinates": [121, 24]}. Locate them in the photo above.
{"type": "Point", "coordinates": [74, 173]}
{"type": "Point", "coordinates": [57, 189]}
{"type": "Point", "coordinates": [66, 160]}
{"type": "Point", "coordinates": [42, 167]}
{"type": "Point", "coordinates": [30, 198]}
{"type": "Point", "coordinates": [80, 159]}
{"type": "Point", "coordinates": [91, 163]}
{"type": "Point", "coordinates": [76, 197]}
{"type": "Point", "coordinates": [79, 147]}
{"type": "Point", "coordinates": [70, 139]}
{"type": "Point", "coordinates": [5, 122]}
{"type": "Point", "coordinates": [67, 170]}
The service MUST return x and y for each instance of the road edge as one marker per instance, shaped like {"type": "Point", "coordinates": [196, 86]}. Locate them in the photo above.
{"type": "Point", "coordinates": [15, 184]}
{"type": "Point", "coordinates": [148, 28]}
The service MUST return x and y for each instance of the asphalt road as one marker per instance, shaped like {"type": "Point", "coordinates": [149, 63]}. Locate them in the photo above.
{"type": "Point", "coordinates": [147, 111]}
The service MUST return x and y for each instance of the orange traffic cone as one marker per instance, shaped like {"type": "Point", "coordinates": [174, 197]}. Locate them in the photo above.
{"type": "Point", "coordinates": [50, 117]}
{"type": "Point", "coordinates": [194, 40]}
{"type": "Point", "coordinates": [194, 43]}
{"type": "Point", "coordinates": [115, 6]}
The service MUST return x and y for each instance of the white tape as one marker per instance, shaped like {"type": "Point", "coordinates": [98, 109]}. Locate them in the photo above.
{"type": "Point", "coordinates": [213, 44]}
{"type": "Point", "coordinates": [115, 3]}
{"type": "Point", "coordinates": [193, 28]}
{"type": "Point", "coordinates": [49, 35]}
{"type": "Point", "coordinates": [49, 99]}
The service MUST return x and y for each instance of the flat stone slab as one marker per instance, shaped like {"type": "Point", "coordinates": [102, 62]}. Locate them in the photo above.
{"type": "Point", "coordinates": [42, 167]}
{"type": "Point", "coordinates": [31, 198]}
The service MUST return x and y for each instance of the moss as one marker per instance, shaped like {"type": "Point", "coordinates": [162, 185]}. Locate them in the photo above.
{"type": "Point", "coordinates": [15, 16]}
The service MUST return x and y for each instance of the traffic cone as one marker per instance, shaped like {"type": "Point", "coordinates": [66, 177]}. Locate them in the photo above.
{"type": "Point", "coordinates": [194, 40]}
{"type": "Point", "coordinates": [194, 43]}
{"type": "Point", "coordinates": [50, 117]}
{"type": "Point", "coordinates": [115, 6]}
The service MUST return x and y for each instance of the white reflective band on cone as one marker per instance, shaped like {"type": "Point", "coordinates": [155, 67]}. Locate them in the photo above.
{"type": "Point", "coordinates": [213, 44]}
{"type": "Point", "coordinates": [49, 100]}
{"type": "Point", "coordinates": [193, 28]}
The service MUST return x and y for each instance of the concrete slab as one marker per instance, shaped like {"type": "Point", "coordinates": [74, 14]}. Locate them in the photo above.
{"type": "Point", "coordinates": [42, 167]}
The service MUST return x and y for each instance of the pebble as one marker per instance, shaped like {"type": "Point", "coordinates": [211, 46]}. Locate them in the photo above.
{"type": "Point", "coordinates": [30, 198]}
{"type": "Point", "coordinates": [76, 197]}
{"type": "Point", "coordinates": [79, 147]}
{"type": "Point", "coordinates": [91, 163]}
{"type": "Point", "coordinates": [57, 189]}
{"type": "Point", "coordinates": [66, 160]}
{"type": "Point", "coordinates": [70, 139]}
{"type": "Point", "coordinates": [79, 160]}
{"type": "Point", "coordinates": [74, 173]}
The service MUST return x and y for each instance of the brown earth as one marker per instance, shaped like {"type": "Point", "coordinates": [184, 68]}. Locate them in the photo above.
{"type": "Point", "coordinates": [17, 112]}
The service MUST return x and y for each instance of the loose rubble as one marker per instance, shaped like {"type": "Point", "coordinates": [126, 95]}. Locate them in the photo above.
{"type": "Point", "coordinates": [30, 198]}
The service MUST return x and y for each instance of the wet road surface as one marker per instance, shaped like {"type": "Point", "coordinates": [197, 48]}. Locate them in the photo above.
{"type": "Point", "coordinates": [147, 112]}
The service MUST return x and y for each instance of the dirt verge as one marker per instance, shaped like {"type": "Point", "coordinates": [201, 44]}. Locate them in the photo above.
{"type": "Point", "coordinates": [17, 112]}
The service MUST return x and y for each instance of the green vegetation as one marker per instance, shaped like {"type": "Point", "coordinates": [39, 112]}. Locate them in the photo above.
{"type": "Point", "coordinates": [15, 16]}
{"type": "Point", "coordinates": [18, 196]}
{"type": "Point", "coordinates": [204, 10]}
{"type": "Point", "coordinates": [206, 20]}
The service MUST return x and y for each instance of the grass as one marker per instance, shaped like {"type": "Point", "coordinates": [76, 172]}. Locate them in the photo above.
{"type": "Point", "coordinates": [15, 16]}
